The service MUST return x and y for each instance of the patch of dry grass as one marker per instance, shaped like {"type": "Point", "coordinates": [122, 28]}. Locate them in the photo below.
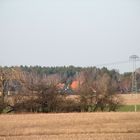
{"type": "Point", "coordinates": [70, 126]}
{"type": "Point", "coordinates": [130, 99]}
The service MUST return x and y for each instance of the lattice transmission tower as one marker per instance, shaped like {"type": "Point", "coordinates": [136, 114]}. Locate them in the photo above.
{"type": "Point", "coordinates": [134, 59]}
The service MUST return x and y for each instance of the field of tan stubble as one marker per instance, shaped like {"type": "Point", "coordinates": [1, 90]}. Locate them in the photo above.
{"type": "Point", "coordinates": [70, 126]}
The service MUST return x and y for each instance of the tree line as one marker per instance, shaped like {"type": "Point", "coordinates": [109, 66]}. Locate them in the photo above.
{"type": "Point", "coordinates": [49, 89]}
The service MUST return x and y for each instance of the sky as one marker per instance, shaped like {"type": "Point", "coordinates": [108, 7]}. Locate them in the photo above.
{"type": "Point", "coordinates": [69, 32]}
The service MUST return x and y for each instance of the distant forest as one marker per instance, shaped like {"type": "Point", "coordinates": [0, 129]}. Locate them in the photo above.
{"type": "Point", "coordinates": [69, 75]}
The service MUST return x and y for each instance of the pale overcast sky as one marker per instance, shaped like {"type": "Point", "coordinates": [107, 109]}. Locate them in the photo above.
{"type": "Point", "coordinates": [69, 32]}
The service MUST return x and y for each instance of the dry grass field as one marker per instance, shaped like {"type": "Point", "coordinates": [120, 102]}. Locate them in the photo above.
{"type": "Point", "coordinates": [71, 126]}
{"type": "Point", "coordinates": [130, 99]}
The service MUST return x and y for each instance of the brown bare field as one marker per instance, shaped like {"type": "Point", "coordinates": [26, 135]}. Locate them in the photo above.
{"type": "Point", "coordinates": [70, 126]}
{"type": "Point", "coordinates": [130, 99]}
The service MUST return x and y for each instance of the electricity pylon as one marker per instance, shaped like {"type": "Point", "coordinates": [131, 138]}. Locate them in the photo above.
{"type": "Point", "coordinates": [134, 59]}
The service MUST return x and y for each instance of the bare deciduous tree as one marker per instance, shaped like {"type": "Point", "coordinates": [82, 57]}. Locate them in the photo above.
{"type": "Point", "coordinates": [99, 93]}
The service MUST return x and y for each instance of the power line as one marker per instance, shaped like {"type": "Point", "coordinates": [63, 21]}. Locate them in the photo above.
{"type": "Point", "coordinates": [112, 63]}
